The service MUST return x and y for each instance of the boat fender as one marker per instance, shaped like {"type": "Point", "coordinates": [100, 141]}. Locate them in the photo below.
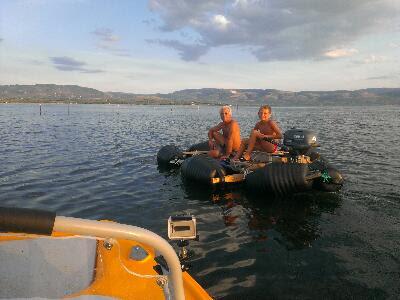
{"type": "Point", "coordinates": [331, 180]}
{"type": "Point", "coordinates": [279, 178]}
{"type": "Point", "coordinates": [203, 146]}
{"type": "Point", "coordinates": [202, 168]}
{"type": "Point", "coordinates": [168, 153]}
{"type": "Point", "coordinates": [26, 220]}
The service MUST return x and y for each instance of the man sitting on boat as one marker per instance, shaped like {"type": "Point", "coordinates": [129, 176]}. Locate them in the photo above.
{"type": "Point", "coordinates": [264, 130]}
{"type": "Point", "coordinates": [227, 142]}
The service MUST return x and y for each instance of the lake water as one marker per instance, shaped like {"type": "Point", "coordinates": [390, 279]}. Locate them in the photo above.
{"type": "Point", "coordinates": [99, 162]}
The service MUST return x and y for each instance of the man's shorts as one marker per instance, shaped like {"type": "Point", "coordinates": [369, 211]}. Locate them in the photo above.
{"type": "Point", "coordinates": [222, 151]}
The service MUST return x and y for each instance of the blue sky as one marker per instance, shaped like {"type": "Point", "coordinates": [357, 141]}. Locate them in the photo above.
{"type": "Point", "coordinates": [164, 45]}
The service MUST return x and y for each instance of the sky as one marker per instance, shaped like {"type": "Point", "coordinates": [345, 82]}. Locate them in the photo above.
{"type": "Point", "coordinates": [161, 46]}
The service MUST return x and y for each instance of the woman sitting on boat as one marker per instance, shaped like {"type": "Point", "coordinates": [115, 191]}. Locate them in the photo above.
{"type": "Point", "coordinates": [264, 130]}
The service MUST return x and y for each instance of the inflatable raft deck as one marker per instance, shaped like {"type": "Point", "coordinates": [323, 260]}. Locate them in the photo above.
{"type": "Point", "coordinates": [297, 167]}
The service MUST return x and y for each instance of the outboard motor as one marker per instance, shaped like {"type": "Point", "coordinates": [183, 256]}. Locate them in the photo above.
{"type": "Point", "coordinates": [299, 141]}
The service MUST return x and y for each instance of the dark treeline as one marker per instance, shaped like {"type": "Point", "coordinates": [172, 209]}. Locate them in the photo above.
{"type": "Point", "coordinates": [51, 93]}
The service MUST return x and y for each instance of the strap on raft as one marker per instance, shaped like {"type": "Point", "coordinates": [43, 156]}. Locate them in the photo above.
{"type": "Point", "coordinates": [234, 178]}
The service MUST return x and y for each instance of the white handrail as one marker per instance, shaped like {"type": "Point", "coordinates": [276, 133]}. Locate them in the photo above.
{"type": "Point", "coordinates": [115, 230]}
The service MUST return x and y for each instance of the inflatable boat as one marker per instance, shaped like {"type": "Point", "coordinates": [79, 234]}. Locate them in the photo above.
{"type": "Point", "coordinates": [295, 167]}
{"type": "Point", "coordinates": [44, 256]}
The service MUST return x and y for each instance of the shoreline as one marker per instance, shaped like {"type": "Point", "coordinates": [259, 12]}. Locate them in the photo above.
{"type": "Point", "coordinates": [3, 102]}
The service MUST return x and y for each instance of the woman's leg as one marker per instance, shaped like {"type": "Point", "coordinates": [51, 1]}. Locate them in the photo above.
{"type": "Point", "coordinates": [255, 134]}
{"type": "Point", "coordinates": [266, 146]}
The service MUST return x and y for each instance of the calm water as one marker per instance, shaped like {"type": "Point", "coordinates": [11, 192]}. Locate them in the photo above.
{"type": "Point", "coordinates": [99, 162]}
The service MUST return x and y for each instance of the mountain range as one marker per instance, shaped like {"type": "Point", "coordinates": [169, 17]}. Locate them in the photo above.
{"type": "Point", "coordinates": [52, 93]}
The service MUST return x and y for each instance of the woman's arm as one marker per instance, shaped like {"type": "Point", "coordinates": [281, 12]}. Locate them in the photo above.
{"type": "Point", "coordinates": [277, 131]}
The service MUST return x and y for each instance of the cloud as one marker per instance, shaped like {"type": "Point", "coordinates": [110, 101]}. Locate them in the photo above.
{"type": "Point", "coordinates": [64, 63]}
{"type": "Point", "coordinates": [35, 62]}
{"type": "Point", "coordinates": [337, 53]}
{"type": "Point", "coordinates": [275, 29]}
{"type": "Point", "coordinates": [221, 21]}
{"type": "Point", "coordinates": [107, 40]}
{"type": "Point", "coordinates": [371, 59]}
{"type": "Point", "coordinates": [178, 14]}
{"type": "Point", "coordinates": [187, 52]}
{"type": "Point", "coordinates": [106, 35]}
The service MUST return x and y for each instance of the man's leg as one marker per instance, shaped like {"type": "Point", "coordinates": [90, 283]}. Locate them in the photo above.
{"type": "Point", "coordinates": [243, 145]}
{"type": "Point", "coordinates": [219, 138]}
{"type": "Point", "coordinates": [219, 143]}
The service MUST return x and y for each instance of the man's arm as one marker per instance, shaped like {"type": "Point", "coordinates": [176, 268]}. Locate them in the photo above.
{"type": "Point", "coordinates": [211, 133]}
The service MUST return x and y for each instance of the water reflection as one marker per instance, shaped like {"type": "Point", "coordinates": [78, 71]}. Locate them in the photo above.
{"type": "Point", "coordinates": [255, 239]}
{"type": "Point", "coordinates": [294, 217]}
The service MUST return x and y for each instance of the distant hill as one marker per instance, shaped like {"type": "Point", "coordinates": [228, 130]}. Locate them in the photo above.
{"type": "Point", "coordinates": [42, 93]}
